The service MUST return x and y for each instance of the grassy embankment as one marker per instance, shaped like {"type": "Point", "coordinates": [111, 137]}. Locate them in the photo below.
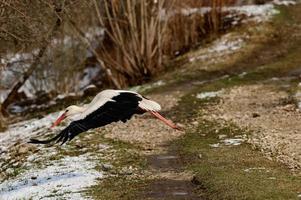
{"type": "Point", "coordinates": [227, 172]}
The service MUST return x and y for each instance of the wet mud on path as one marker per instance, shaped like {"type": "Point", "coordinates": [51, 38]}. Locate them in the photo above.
{"type": "Point", "coordinates": [178, 187]}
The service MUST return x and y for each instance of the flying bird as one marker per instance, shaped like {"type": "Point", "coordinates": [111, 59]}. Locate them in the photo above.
{"type": "Point", "coordinates": [107, 106]}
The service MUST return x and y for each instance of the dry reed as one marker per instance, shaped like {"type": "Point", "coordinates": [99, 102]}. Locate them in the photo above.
{"type": "Point", "coordinates": [140, 34]}
{"type": "Point", "coordinates": [132, 47]}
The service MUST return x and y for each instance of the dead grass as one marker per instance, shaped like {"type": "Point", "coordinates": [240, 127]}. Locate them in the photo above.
{"type": "Point", "coordinates": [142, 35]}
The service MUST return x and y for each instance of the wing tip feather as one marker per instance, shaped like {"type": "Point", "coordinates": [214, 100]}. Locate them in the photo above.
{"type": "Point", "coordinates": [35, 141]}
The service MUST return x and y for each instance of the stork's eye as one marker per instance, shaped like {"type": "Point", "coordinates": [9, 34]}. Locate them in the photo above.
{"type": "Point", "coordinates": [67, 110]}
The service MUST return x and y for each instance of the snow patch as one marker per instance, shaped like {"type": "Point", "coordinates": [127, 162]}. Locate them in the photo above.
{"type": "Point", "coordinates": [238, 140]}
{"type": "Point", "coordinates": [63, 96]}
{"type": "Point", "coordinates": [142, 88]}
{"type": "Point", "coordinates": [226, 45]}
{"type": "Point", "coordinates": [257, 13]}
{"type": "Point", "coordinates": [284, 2]}
{"type": "Point", "coordinates": [64, 178]}
{"type": "Point", "coordinates": [205, 95]}
{"type": "Point", "coordinates": [256, 169]}
{"type": "Point", "coordinates": [13, 65]}
{"type": "Point", "coordinates": [16, 57]}
{"type": "Point", "coordinates": [233, 141]}
{"type": "Point", "coordinates": [90, 73]}
{"type": "Point", "coordinates": [214, 145]}
{"type": "Point", "coordinates": [243, 74]}
{"type": "Point", "coordinates": [26, 129]}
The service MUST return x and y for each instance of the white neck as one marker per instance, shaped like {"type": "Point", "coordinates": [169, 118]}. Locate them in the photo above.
{"type": "Point", "coordinates": [79, 109]}
{"type": "Point", "coordinates": [75, 111]}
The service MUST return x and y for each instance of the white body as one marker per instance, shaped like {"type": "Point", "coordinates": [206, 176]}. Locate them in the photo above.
{"type": "Point", "coordinates": [77, 113]}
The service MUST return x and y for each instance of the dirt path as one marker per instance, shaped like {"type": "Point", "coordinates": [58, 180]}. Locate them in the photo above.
{"type": "Point", "coordinates": [145, 159]}
{"type": "Point", "coordinates": [146, 131]}
{"type": "Point", "coordinates": [261, 107]}
{"type": "Point", "coordinates": [168, 179]}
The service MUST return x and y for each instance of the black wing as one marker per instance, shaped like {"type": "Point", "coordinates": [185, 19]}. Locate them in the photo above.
{"type": "Point", "coordinates": [122, 108]}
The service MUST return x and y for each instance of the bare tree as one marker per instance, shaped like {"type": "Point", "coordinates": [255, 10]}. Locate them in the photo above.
{"type": "Point", "coordinates": [14, 91]}
{"type": "Point", "coordinates": [140, 35]}
{"type": "Point", "coordinates": [2, 122]}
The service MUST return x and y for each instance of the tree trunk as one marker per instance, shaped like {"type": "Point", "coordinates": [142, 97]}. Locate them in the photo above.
{"type": "Point", "coordinates": [2, 122]}
{"type": "Point", "coordinates": [13, 93]}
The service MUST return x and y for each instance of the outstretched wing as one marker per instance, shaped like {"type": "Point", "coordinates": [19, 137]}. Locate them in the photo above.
{"type": "Point", "coordinates": [69, 132]}
{"type": "Point", "coordinates": [120, 108]}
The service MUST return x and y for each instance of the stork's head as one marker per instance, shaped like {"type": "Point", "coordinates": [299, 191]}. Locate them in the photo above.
{"type": "Point", "coordinates": [69, 112]}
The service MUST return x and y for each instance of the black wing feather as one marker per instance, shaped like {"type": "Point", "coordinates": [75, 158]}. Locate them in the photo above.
{"type": "Point", "coordinates": [122, 108]}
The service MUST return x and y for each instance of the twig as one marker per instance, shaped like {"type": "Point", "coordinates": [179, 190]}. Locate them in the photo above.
{"type": "Point", "coordinates": [11, 96]}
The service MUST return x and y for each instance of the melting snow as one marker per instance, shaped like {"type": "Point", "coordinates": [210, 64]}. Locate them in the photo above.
{"type": "Point", "coordinates": [90, 73]}
{"type": "Point", "coordinates": [257, 13]}
{"type": "Point", "coordinates": [12, 65]}
{"type": "Point", "coordinates": [255, 168]}
{"type": "Point", "coordinates": [284, 2]}
{"type": "Point", "coordinates": [222, 136]}
{"type": "Point", "coordinates": [214, 145]}
{"type": "Point", "coordinates": [233, 141]}
{"type": "Point", "coordinates": [243, 74]}
{"type": "Point", "coordinates": [26, 129]}
{"type": "Point", "coordinates": [224, 45]}
{"type": "Point", "coordinates": [228, 141]}
{"type": "Point", "coordinates": [227, 44]}
{"type": "Point", "coordinates": [142, 88]}
{"type": "Point", "coordinates": [205, 95]}
{"type": "Point", "coordinates": [64, 178]}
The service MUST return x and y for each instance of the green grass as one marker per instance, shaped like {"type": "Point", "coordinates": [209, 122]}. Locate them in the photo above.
{"type": "Point", "coordinates": [122, 155]}
{"type": "Point", "coordinates": [120, 187]}
{"type": "Point", "coordinates": [221, 171]}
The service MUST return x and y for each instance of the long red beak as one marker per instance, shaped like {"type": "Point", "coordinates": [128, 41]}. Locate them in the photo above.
{"type": "Point", "coordinates": [166, 121]}
{"type": "Point", "coordinates": [58, 121]}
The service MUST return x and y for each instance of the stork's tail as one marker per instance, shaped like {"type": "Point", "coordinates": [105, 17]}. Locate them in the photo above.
{"type": "Point", "coordinates": [166, 121]}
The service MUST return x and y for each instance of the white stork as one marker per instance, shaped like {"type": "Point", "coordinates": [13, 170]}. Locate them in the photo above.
{"type": "Point", "coordinates": [108, 106]}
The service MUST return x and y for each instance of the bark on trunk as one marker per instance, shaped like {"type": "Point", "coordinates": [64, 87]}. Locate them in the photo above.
{"type": "Point", "coordinates": [3, 125]}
